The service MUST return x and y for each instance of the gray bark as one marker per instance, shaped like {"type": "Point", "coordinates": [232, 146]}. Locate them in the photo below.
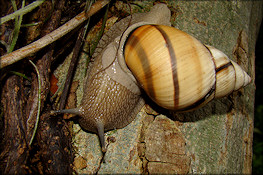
{"type": "Point", "coordinates": [214, 139]}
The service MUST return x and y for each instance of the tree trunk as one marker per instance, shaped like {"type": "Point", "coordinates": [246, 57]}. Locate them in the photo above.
{"type": "Point", "coordinates": [214, 139]}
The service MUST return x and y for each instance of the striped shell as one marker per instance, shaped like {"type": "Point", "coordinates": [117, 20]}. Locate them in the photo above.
{"type": "Point", "coordinates": [176, 70]}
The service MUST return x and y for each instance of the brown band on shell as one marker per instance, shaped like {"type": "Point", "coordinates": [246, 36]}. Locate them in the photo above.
{"type": "Point", "coordinates": [201, 101]}
{"type": "Point", "coordinates": [173, 64]}
{"type": "Point", "coordinates": [224, 66]}
{"type": "Point", "coordinates": [133, 40]}
{"type": "Point", "coordinates": [209, 93]}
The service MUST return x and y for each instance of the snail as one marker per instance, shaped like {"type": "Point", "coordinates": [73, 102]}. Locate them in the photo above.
{"type": "Point", "coordinates": [173, 68]}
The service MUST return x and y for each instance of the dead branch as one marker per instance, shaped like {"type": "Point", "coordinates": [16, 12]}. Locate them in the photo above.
{"type": "Point", "coordinates": [28, 50]}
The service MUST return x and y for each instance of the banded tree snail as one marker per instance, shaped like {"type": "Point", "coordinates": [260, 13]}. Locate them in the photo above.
{"type": "Point", "coordinates": [175, 70]}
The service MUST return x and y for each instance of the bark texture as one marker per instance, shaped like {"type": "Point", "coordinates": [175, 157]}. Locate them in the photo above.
{"type": "Point", "coordinates": [214, 139]}
{"type": "Point", "coordinates": [50, 151]}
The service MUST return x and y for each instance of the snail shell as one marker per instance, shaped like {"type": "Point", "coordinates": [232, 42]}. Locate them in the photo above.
{"type": "Point", "coordinates": [173, 68]}
{"type": "Point", "coordinates": [176, 70]}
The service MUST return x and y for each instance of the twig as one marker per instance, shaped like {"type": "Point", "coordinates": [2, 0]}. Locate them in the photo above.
{"type": "Point", "coordinates": [39, 103]}
{"type": "Point", "coordinates": [21, 11]}
{"type": "Point", "coordinates": [71, 68]}
{"type": "Point", "coordinates": [23, 52]}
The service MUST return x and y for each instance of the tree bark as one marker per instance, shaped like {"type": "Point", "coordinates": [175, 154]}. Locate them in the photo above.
{"type": "Point", "coordinates": [20, 107]}
{"type": "Point", "coordinates": [15, 147]}
{"type": "Point", "coordinates": [214, 139]}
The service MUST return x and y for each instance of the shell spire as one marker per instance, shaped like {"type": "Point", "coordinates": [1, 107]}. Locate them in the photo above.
{"type": "Point", "coordinates": [229, 75]}
{"type": "Point", "coordinates": [242, 78]}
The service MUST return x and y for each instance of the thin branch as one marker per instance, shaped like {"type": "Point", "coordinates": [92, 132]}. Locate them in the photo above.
{"type": "Point", "coordinates": [23, 52]}
{"type": "Point", "coordinates": [72, 66]}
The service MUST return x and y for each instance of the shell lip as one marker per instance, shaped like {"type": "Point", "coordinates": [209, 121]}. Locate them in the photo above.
{"type": "Point", "coordinates": [120, 51]}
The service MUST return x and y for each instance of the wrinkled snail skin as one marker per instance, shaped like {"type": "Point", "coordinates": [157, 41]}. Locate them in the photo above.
{"type": "Point", "coordinates": [106, 104]}
{"type": "Point", "coordinates": [175, 70]}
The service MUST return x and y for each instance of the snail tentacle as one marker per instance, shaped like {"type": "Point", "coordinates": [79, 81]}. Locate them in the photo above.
{"type": "Point", "coordinates": [100, 128]}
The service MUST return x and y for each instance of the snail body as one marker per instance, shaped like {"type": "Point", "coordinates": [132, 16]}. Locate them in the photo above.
{"type": "Point", "coordinates": [174, 69]}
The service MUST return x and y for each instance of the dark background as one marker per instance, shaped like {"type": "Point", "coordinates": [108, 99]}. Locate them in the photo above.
{"type": "Point", "coordinates": [258, 120]}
